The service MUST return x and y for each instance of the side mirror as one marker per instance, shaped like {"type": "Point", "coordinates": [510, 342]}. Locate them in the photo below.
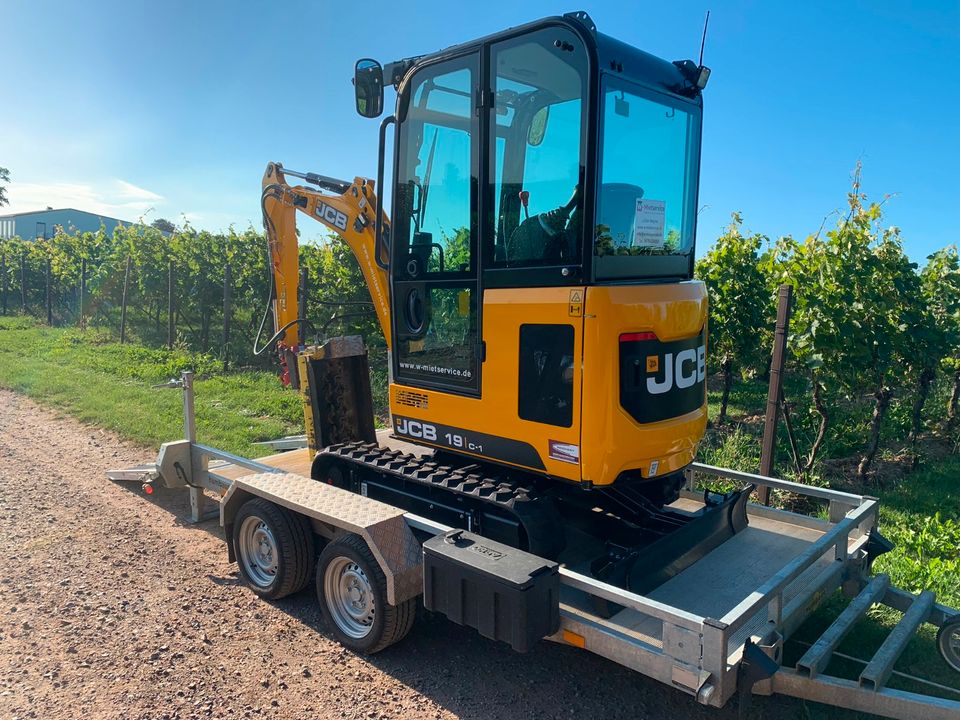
{"type": "Point", "coordinates": [368, 86]}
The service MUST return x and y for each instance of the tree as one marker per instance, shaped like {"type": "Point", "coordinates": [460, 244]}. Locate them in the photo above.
{"type": "Point", "coordinates": [164, 225]}
{"type": "Point", "coordinates": [925, 344]}
{"type": "Point", "coordinates": [940, 282]}
{"type": "Point", "coordinates": [855, 295]}
{"type": "Point", "coordinates": [739, 300]}
{"type": "Point", "coordinates": [4, 178]}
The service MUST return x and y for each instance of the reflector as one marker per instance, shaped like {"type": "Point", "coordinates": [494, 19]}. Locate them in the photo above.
{"type": "Point", "coordinates": [636, 337]}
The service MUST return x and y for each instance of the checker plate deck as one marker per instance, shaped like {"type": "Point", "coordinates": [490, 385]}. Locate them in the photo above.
{"type": "Point", "coordinates": [382, 526]}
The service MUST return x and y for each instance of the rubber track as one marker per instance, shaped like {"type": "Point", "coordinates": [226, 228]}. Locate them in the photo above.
{"type": "Point", "coordinates": [533, 511]}
{"type": "Point", "coordinates": [423, 470]}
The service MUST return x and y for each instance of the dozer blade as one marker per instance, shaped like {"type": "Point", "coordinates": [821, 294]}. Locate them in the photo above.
{"type": "Point", "coordinates": [707, 529]}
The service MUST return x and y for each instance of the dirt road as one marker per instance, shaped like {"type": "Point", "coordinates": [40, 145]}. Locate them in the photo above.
{"type": "Point", "coordinates": [112, 606]}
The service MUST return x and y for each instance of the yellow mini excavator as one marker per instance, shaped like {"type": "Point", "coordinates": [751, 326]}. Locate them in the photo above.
{"type": "Point", "coordinates": [535, 288]}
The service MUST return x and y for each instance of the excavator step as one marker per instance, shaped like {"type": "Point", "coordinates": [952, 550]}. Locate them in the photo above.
{"type": "Point", "coordinates": [877, 672]}
{"type": "Point", "coordinates": [818, 656]}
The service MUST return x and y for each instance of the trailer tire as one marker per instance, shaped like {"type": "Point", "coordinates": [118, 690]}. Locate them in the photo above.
{"type": "Point", "coordinates": [352, 591]}
{"type": "Point", "coordinates": [948, 642]}
{"type": "Point", "coordinates": [274, 549]}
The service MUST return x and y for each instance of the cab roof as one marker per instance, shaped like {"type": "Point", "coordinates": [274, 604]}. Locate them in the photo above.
{"type": "Point", "coordinates": [608, 56]}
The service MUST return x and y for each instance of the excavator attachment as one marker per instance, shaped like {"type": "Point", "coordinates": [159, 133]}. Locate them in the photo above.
{"type": "Point", "coordinates": [673, 539]}
{"type": "Point", "coordinates": [706, 530]}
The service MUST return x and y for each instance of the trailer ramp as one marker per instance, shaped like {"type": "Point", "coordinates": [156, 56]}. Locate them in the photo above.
{"type": "Point", "coordinates": [869, 692]}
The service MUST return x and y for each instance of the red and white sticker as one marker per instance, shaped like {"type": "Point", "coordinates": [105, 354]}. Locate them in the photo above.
{"type": "Point", "coordinates": [565, 452]}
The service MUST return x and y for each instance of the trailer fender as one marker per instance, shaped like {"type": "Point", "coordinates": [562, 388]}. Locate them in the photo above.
{"type": "Point", "coordinates": [383, 527]}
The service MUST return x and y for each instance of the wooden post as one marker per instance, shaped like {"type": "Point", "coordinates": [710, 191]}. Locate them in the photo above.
{"type": "Point", "coordinates": [302, 308]}
{"type": "Point", "coordinates": [3, 281]}
{"type": "Point", "coordinates": [49, 296]}
{"type": "Point", "coordinates": [123, 302]}
{"type": "Point", "coordinates": [171, 325]}
{"type": "Point", "coordinates": [83, 288]}
{"type": "Point", "coordinates": [23, 282]}
{"type": "Point", "coordinates": [768, 450]}
{"type": "Point", "coordinates": [227, 290]}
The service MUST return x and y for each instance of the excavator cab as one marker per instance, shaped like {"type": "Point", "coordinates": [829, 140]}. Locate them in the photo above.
{"type": "Point", "coordinates": [541, 252]}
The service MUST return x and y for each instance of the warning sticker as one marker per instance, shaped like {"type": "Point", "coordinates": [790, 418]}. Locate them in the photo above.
{"type": "Point", "coordinates": [649, 223]}
{"type": "Point", "coordinates": [576, 302]}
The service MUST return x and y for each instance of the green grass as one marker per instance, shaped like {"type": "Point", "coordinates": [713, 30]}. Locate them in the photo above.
{"type": "Point", "coordinates": [92, 377]}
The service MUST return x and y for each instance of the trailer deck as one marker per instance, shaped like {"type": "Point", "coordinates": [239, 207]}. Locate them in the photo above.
{"type": "Point", "coordinates": [714, 630]}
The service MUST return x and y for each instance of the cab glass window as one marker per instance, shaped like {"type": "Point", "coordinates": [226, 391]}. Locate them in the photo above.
{"type": "Point", "coordinates": [536, 148]}
{"type": "Point", "coordinates": [435, 176]}
{"type": "Point", "coordinates": [439, 343]}
{"type": "Point", "coordinates": [648, 180]}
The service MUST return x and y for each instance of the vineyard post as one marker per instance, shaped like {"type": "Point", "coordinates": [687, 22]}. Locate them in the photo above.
{"type": "Point", "coordinates": [49, 296]}
{"type": "Point", "coordinates": [123, 302]}
{"type": "Point", "coordinates": [83, 287]}
{"type": "Point", "coordinates": [23, 282]}
{"type": "Point", "coordinates": [768, 450]}
{"type": "Point", "coordinates": [171, 329]}
{"type": "Point", "coordinates": [227, 281]}
{"type": "Point", "coordinates": [302, 308]}
{"type": "Point", "coordinates": [3, 280]}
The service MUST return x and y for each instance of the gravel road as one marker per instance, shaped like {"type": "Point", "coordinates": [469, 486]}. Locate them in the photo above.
{"type": "Point", "coordinates": [113, 606]}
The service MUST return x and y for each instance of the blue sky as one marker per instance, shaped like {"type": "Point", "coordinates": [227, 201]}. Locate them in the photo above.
{"type": "Point", "coordinates": [173, 108]}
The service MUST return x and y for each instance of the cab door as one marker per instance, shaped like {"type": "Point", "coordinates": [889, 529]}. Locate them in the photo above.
{"type": "Point", "coordinates": [534, 294]}
{"type": "Point", "coordinates": [434, 266]}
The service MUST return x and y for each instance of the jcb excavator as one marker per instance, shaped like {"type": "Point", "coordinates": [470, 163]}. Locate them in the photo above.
{"type": "Point", "coordinates": [535, 289]}
{"type": "Point", "coordinates": [547, 396]}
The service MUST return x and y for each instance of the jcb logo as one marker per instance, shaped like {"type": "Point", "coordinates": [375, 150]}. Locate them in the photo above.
{"type": "Point", "coordinates": [331, 216]}
{"type": "Point", "coordinates": [682, 371]}
{"type": "Point", "coordinates": [412, 428]}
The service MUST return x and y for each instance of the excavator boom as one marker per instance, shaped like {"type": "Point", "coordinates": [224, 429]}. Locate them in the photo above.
{"type": "Point", "coordinates": [348, 209]}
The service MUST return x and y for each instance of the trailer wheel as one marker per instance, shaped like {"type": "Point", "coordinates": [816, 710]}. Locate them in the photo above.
{"type": "Point", "coordinates": [352, 591]}
{"type": "Point", "coordinates": [948, 641]}
{"type": "Point", "coordinates": [274, 548]}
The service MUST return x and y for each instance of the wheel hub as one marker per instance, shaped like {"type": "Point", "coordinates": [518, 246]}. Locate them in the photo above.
{"type": "Point", "coordinates": [349, 597]}
{"type": "Point", "coordinates": [258, 551]}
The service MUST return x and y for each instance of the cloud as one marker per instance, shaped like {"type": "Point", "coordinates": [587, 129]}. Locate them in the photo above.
{"type": "Point", "coordinates": [115, 198]}
{"type": "Point", "coordinates": [129, 190]}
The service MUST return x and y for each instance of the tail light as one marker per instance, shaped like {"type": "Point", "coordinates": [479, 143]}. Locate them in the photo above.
{"type": "Point", "coordinates": [637, 336]}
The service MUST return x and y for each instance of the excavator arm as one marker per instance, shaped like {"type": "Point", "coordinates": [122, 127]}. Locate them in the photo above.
{"type": "Point", "coordinates": [349, 210]}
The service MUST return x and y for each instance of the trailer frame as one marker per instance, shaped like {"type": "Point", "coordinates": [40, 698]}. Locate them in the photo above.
{"type": "Point", "coordinates": [711, 658]}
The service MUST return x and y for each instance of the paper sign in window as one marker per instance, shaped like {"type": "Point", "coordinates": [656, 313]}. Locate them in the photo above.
{"type": "Point", "coordinates": [649, 223]}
